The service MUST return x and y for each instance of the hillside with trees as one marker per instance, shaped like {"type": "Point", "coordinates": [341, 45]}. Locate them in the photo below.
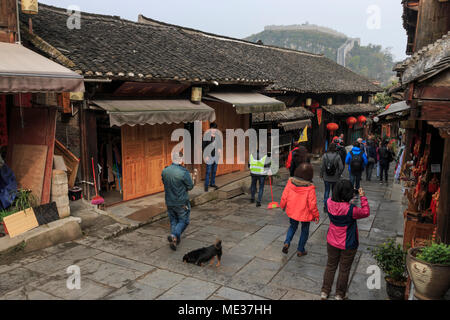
{"type": "Point", "coordinates": [372, 61]}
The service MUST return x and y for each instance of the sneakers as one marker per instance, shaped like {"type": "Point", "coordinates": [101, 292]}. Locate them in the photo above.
{"type": "Point", "coordinates": [323, 296]}
{"type": "Point", "coordinates": [258, 204]}
{"type": "Point", "coordinates": [214, 186]}
{"type": "Point", "coordinates": [339, 297]}
{"type": "Point", "coordinates": [172, 242]}
{"type": "Point", "coordinates": [252, 200]}
{"type": "Point", "coordinates": [285, 248]}
{"type": "Point", "coordinates": [206, 189]}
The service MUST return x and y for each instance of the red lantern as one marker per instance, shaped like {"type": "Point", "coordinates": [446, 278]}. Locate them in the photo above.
{"type": "Point", "coordinates": [332, 127]}
{"type": "Point", "coordinates": [361, 119]}
{"type": "Point", "coordinates": [351, 121]}
{"type": "Point", "coordinates": [315, 105]}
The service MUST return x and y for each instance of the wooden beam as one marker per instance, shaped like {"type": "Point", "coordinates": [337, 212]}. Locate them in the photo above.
{"type": "Point", "coordinates": [435, 111]}
{"type": "Point", "coordinates": [443, 211]}
{"type": "Point", "coordinates": [432, 93]}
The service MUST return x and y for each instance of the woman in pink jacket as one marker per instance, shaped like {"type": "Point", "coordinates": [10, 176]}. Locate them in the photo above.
{"type": "Point", "coordinates": [300, 203]}
{"type": "Point", "coordinates": [342, 237]}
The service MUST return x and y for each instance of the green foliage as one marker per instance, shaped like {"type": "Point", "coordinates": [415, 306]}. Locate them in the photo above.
{"type": "Point", "coordinates": [383, 99]}
{"type": "Point", "coordinates": [435, 254]}
{"type": "Point", "coordinates": [372, 61]}
{"type": "Point", "coordinates": [391, 258]}
{"type": "Point", "coordinates": [24, 200]}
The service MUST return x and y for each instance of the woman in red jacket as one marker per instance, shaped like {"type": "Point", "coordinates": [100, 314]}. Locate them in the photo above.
{"type": "Point", "coordinates": [342, 237]}
{"type": "Point", "coordinates": [300, 203]}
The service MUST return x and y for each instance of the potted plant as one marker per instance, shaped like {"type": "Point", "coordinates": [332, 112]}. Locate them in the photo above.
{"type": "Point", "coordinates": [429, 268]}
{"type": "Point", "coordinates": [391, 258]}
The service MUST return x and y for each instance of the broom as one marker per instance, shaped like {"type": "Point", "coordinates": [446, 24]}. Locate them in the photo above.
{"type": "Point", "coordinates": [97, 199]}
{"type": "Point", "coordinates": [273, 204]}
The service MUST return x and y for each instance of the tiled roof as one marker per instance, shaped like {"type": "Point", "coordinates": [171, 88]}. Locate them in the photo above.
{"type": "Point", "coordinates": [108, 46]}
{"type": "Point", "coordinates": [351, 109]}
{"type": "Point", "coordinates": [296, 113]}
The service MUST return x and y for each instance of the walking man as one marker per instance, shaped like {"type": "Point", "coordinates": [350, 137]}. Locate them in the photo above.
{"type": "Point", "coordinates": [177, 182]}
{"type": "Point", "coordinates": [371, 158]}
{"type": "Point", "coordinates": [386, 157]}
{"type": "Point", "coordinates": [356, 160]}
{"type": "Point", "coordinates": [213, 149]}
{"type": "Point", "coordinates": [330, 171]}
{"type": "Point", "coordinates": [259, 169]}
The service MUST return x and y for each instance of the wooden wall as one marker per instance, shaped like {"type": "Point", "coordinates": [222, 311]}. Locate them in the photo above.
{"type": "Point", "coordinates": [227, 118]}
{"type": "Point", "coordinates": [8, 21]}
{"type": "Point", "coordinates": [146, 151]}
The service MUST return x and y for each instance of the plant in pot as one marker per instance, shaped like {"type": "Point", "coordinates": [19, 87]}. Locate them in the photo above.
{"type": "Point", "coordinates": [429, 269]}
{"type": "Point", "coordinates": [23, 199]}
{"type": "Point", "coordinates": [391, 258]}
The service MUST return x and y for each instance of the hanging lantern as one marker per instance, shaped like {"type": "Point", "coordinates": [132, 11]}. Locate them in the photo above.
{"type": "Point", "coordinates": [361, 120]}
{"type": "Point", "coordinates": [332, 127]}
{"type": "Point", "coordinates": [329, 101]}
{"type": "Point", "coordinates": [360, 99]}
{"type": "Point", "coordinates": [196, 95]}
{"type": "Point", "coordinates": [351, 121]}
{"type": "Point", "coordinates": [308, 102]}
{"type": "Point", "coordinates": [29, 6]}
{"type": "Point", "coordinates": [314, 106]}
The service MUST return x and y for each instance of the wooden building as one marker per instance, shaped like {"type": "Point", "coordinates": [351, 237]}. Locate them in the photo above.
{"type": "Point", "coordinates": [425, 79]}
{"type": "Point", "coordinates": [31, 89]}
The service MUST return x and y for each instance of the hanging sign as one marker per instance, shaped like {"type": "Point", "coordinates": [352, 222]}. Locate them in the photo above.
{"type": "Point", "coordinates": [304, 135]}
{"type": "Point", "coordinates": [319, 116]}
{"type": "Point", "coordinates": [435, 168]}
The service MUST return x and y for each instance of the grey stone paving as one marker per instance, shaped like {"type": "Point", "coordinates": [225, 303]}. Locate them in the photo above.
{"type": "Point", "coordinates": [140, 265]}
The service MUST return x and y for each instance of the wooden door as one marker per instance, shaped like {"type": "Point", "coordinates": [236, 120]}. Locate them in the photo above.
{"type": "Point", "coordinates": [227, 118]}
{"type": "Point", "coordinates": [146, 151]}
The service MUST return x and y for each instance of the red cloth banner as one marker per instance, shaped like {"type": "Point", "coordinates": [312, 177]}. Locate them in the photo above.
{"type": "Point", "coordinates": [319, 116]}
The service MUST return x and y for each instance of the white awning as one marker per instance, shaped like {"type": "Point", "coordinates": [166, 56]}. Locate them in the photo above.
{"type": "Point", "coordinates": [22, 70]}
{"type": "Point", "coordinates": [249, 102]}
{"type": "Point", "coordinates": [133, 112]}
{"type": "Point", "coordinates": [394, 108]}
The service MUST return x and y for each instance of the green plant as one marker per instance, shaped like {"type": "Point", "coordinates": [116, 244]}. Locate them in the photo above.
{"type": "Point", "coordinates": [24, 200]}
{"type": "Point", "coordinates": [435, 254]}
{"type": "Point", "coordinates": [391, 258]}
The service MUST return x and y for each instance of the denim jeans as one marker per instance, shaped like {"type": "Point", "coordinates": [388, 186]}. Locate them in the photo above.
{"type": "Point", "coordinates": [211, 170]}
{"type": "Point", "coordinates": [261, 180]}
{"type": "Point", "coordinates": [355, 180]}
{"type": "Point", "coordinates": [303, 236]}
{"type": "Point", "coordinates": [179, 219]}
{"type": "Point", "coordinates": [328, 186]}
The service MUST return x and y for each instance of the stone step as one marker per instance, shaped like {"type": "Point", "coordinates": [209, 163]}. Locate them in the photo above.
{"type": "Point", "coordinates": [230, 191]}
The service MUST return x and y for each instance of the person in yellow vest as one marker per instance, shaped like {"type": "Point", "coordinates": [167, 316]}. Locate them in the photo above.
{"type": "Point", "coordinates": [259, 169]}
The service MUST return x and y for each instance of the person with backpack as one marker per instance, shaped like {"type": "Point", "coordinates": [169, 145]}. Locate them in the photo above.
{"type": "Point", "coordinates": [330, 171]}
{"type": "Point", "coordinates": [340, 149]}
{"type": "Point", "coordinates": [386, 157]}
{"type": "Point", "coordinates": [356, 160]}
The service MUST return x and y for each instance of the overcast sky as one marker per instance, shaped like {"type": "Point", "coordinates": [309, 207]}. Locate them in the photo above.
{"type": "Point", "coordinates": [374, 21]}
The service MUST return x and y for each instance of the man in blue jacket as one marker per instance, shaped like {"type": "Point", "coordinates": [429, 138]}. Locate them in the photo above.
{"type": "Point", "coordinates": [357, 161]}
{"type": "Point", "coordinates": [177, 182]}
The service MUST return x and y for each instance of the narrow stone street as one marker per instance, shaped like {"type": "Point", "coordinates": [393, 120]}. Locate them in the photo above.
{"type": "Point", "coordinates": [140, 264]}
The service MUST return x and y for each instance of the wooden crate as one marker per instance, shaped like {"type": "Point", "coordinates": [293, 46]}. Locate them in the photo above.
{"type": "Point", "coordinates": [71, 161]}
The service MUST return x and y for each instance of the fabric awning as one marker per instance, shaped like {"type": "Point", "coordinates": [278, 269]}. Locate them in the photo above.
{"type": "Point", "coordinates": [294, 125]}
{"type": "Point", "coordinates": [22, 70]}
{"type": "Point", "coordinates": [250, 102]}
{"type": "Point", "coordinates": [133, 112]}
{"type": "Point", "coordinates": [350, 109]}
{"type": "Point", "coordinates": [394, 108]}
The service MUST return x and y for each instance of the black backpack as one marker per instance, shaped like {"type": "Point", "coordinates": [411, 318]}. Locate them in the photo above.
{"type": "Point", "coordinates": [356, 163]}
{"type": "Point", "coordinates": [386, 154]}
{"type": "Point", "coordinates": [330, 168]}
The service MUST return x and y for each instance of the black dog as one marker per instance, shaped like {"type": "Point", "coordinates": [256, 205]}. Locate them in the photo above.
{"type": "Point", "coordinates": [206, 254]}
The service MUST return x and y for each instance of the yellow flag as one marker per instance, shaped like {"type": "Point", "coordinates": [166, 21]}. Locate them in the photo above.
{"type": "Point", "coordinates": [304, 135]}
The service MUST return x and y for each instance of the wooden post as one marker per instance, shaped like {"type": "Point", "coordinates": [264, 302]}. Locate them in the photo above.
{"type": "Point", "coordinates": [443, 212]}
{"type": "Point", "coordinates": [8, 21]}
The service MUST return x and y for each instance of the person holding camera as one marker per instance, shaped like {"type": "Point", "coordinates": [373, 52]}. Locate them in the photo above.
{"type": "Point", "coordinates": [342, 236]}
